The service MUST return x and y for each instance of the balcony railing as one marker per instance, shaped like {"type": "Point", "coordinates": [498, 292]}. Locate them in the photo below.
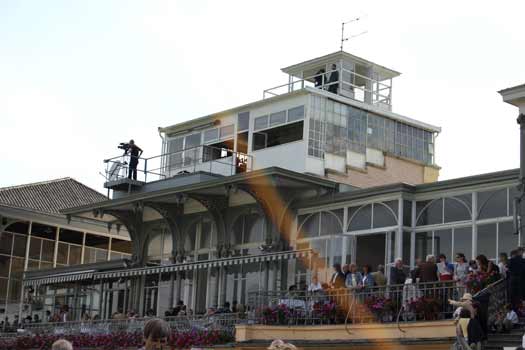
{"type": "Point", "coordinates": [224, 322]}
{"type": "Point", "coordinates": [405, 303]}
{"type": "Point", "coordinates": [370, 91]}
{"type": "Point", "coordinates": [210, 159]}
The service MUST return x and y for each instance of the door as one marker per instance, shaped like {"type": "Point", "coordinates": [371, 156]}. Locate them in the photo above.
{"type": "Point", "coordinates": [371, 250]}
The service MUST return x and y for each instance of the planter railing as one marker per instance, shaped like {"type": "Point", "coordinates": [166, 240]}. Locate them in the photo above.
{"type": "Point", "coordinates": [408, 302]}
{"type": "Point", "coordinates": [218, 322]}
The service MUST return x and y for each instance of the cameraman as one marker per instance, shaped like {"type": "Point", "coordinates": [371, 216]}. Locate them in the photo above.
{"type": "Point", "coordinates": [134, 152]}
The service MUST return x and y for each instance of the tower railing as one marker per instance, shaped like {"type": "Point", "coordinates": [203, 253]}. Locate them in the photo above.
{"type": "Point", "coordinates": [374, 91]}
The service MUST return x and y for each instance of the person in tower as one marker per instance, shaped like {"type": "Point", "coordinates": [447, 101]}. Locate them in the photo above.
{"type": "Point", "coordinates": [134, 152]}
{"type": "Point", "coordinates": [333, 80]}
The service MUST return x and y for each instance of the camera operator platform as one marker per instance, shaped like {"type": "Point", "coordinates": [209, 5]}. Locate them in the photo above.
{"type": "Point", "coordinates": [121, 172]}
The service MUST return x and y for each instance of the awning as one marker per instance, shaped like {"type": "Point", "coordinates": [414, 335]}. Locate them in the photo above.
{"type": "Point", "coordinates": [59, 278]}
{"type": "Point", "coordinates": [239, 260]}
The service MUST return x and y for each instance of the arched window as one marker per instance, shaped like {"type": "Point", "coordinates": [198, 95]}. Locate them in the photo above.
{"type": "Point", "coordinates": [328, 222]}
{"type": "Point", "coordinates": [375, 215]}
{"type": "Point", "coordinates": [160, 247]}
{"type": "Point", "coordinates": [492, 204]}
{"type": "Point", "coordinates": [441, 210]}
{"type": "Point", "coordinates": [248, 228]}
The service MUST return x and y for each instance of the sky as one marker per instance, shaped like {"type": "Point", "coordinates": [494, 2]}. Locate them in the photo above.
{"type": "Point", "coordinates": [78, 77]}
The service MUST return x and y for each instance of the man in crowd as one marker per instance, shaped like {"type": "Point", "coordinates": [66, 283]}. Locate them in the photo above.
{"type": "Point", "coordinates": [397, 274]}
{"type": "Point", "coordinates": [379, 276]}
{"type": "Point", "coordinates": [338, 277]}
{"type": "Point", "coordinates": [428, 270]}
{"type": "Point", "coordinates": [62, 344]}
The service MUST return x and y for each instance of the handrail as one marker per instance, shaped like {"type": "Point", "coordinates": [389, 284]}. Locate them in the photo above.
{"type": "Point", "coordinates": [377, 97]}
{"type": "Point", "coordinates": [190, 157]}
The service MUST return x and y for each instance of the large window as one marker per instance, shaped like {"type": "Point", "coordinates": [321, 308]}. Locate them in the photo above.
{"type": "Point", "coordinates": [344, 128]}
{"type": "Point", "coordinates": [443, 210]}
{"type": "Point", "coordinates": [375, 215]}
{"type": "Point", "coordinates": [321, 224]}
{"type": "Point", "coordinates": [160, 246]}
{"type": "Point", "coordinates": [448, 241]}
{"type": "Point", "coordinates": [278, 128]}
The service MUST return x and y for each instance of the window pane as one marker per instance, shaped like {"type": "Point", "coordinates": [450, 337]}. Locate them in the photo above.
{"type": "Point", "coordinates": [383, 216]}
{"type": "Point", "coordinates": [261, 122]}
{"type": "Point", "coordinates": [211, 135]}
{"type": "Point", "coordinates": [277, 118]}
{"type": "Point", "coordinates": [34, 248]}
{"type": "Point", "coordinates": [14, 291]}
{"type": "Point", "coordinates": [337, 250]}
{"type": "Point", "coordinates": [101, 255]}
{"type": "Point", "coordinates": [243, 121]}
{"type": "Point", "coordinates": [70, 236]}
{"type": "Point", "coordinates": [432, 214]}
{"type": "Point", "coordinates": [155, 246]}
{"type": "Point", "coordinates": [75, 253]}
{"type": "Point", "coordinates": [296, 113]}
{"type": "Point", "coordinates": [360, 218]}
{"type": "Point", "coordinates": [89, 255]}
{"type": "Point", "coordinates": [43, 231]}
{"type": "Point", "coordinates": [463, 241]}
{"type": "Point", "coordinates": [226, 131]}
{"type": "Point", "coordinates": [310, 228]}
{"type": "Point", "coordinates": [406, 247]}
{"type": "Point", "coordinates": [18, 227]}
{"type": "Point", "coordinates": [17, 268]}
{"type": "Point", "coordinates": [407, 213]}
{"type": "Point", "coordinates": [332, 222]}
{"type": "Point", "coordinates": [443, 243]}
{"type": "Point", "coordinates": [455, 210]}
{"type": "Point", "coordinates": [254, 229]}
{"type": "Point", "coordinates": [507, 240]}
{"type": "Point", "coordinates": [175, 145]}
{"type": "Point", "coordinates": [97, 241]}
{"type": "Point", "coordinates": [319, 247]}
{"type": "Point", "coordinates": [423, 245]}
{"type": "Point", "coordinates": [121, 245]}
{"type": "Point", "coordinates": [6, 241]}
{"type": "Point", "coordinates": [487, 240]}
{"type": "Point", "coordinates": [62, 252]}
{"type": "Point", "coordinates": [32, 265]}
{"type": "Point", "coordinates": [4, 265]}
{"type": "Point", "coordinates": [48, 250]}
{"type": "Point", "coordinates": [3, 289]}
{"type": "Point", "coordinates": [19, 246]}
{"type": "Point", "coordinates": [492, 204]}
{"type": "Point", "coordinates": [193, 140]}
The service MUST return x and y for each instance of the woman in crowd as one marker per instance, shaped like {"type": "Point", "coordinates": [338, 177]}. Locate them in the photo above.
{"type": "Point", "coordinates": [368, 278]}
{"type": "Point", "coordinates": [483, 263]}
{"type": "Point", "coordinates": [502, 265]}
{"type": "Point", "coordinates": [461, 270]}
{"type": "Point", "coordinates": [445, 269]}
{"type": "Point", "coordinates": [354, 279]}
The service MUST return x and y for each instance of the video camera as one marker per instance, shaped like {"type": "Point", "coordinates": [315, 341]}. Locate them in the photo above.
{"type": "Point", "coordinates": [124, 146]}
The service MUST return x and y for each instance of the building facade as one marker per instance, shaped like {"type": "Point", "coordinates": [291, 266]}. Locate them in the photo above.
{"type": "Point", "coordinates": [266, 195]}
{"type": "Point", "coordinates": [35, 236]}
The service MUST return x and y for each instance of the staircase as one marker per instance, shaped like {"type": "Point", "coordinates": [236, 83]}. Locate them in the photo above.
{"type": "Point", "coordinates": [498, 341]}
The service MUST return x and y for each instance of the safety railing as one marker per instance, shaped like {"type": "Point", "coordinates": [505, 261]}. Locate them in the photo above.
{"type": "Point", "coordinates": [375, 92]}
{"type": "Point", "coordinates": [419, 301]}
{"type": "Point", "coordinates": [210, 159]}
{"type": "Point", "coordinates": [224, 322]}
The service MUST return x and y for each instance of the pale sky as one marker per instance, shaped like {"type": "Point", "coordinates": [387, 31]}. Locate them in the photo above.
{"type": "Point", "coordinates": [78, 77]}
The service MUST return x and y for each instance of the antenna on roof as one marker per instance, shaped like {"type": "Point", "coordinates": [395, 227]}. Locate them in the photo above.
{"type": "Point", "coordinates": [343, 38]}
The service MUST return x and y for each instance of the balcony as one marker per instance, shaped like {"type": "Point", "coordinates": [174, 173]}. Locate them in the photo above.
{"type": "Point", "coordinates": [207, 159]}
{"type": "Point", "coordinates": [349, 84]}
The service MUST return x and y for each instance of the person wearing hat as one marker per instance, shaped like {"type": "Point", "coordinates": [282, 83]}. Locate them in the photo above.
{"type": "Point", "coordinates": [465, 303]}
